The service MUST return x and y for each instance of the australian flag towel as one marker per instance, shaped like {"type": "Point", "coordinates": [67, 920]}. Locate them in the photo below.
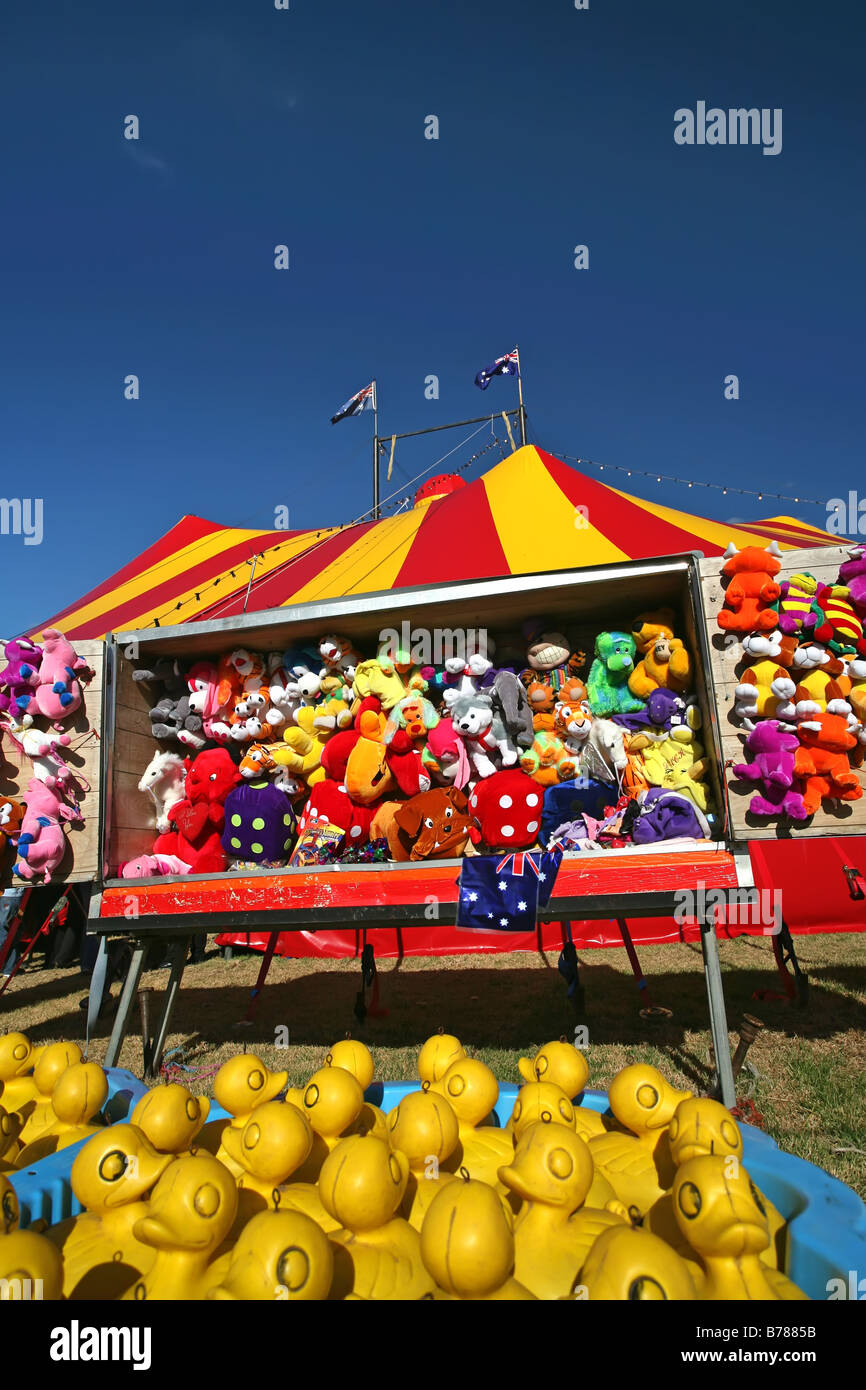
{"type": "Point", "coordinates": [504, 892]}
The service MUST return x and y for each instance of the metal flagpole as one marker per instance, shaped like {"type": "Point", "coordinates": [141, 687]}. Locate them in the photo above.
{"type": "Point", "coordinates": [375, 450]}
{"type": "Point", "coordinates": [520, 398]}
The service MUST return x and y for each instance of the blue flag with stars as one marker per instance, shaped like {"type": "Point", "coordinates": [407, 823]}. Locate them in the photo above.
{"type": "Point", "coordinates": [504, 892]}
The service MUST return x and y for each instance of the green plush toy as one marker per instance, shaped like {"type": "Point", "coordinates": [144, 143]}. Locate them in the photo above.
{"type": "Point", "coordinates": [608, 677]}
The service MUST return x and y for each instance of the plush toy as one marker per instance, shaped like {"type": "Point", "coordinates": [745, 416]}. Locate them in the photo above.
{"type": "Point", "coordinates": [281, 688]}
{"type": "Point", "coordinates": [41, 843]}
{"type": "Point", "coordinates": [258, 762]}
{"type": "Point", "coordinates": [752, 588]}
{"type": "Point", "coordinates": [771, 749]}
{"type": "Point", "coordinates": [597, 745]}
{"type": "Point", "coordinates": [825, 689]}
{"type": "Point", "coordinates": [664, 659]}
{"type": "Point", "coordinates": [406, 764]}
{"type": "Point", "coordinates": [506, 809]}
{"type": "Point", "coordinates": [45, 751]}
{"type": "Point", "coordinates": [548, 761]}
{"type": "Point", "coordinates": [172, 713]}
{"type": "Point", "coordinates": [329, 803]}
{"type": "Point", "coordinates": [398, 656]}
{"type": "Point", "coordinates": [541, 698]}
{"type": "Point", "coordinates": [679, 767]}
{"type": "Point", "coordinates": [449, 754]}
{"type": "Point", "coordinates": [853, 575]}
{"type": "Point", "coordinates": [339, 655]}
{"type": "Point", "coordinates": [608, 677]}
{"type": "Point", "coordinates": [842, 628]}
{"type": "Point", "coordinates": [300, 752]}
{"type": "Point", "coordinates": [797, 608]}
{"type": "Point", "coordinates": [57, 693]}
{"type": "Point", "coordinates": [198, 820]}
{"type": "Point", "coordinates": [469, 673]}
{"type": "Point", "coordinates": [153, 866]}
{"type": "Point", "coordinates": [162, 672]}
{"type": "Point", "coordinates": [510, 700]}
{"type": "Point", "coordinates": [433, 825]}
{"type": "Point", "coordinates": [11, 816]}
{"type": "Point", "coordinates": [375, 678]}
{"type": "Point", "coordinates": [855, 670]}
{"type": "Point", "coordinates": [414, 714]}
{"type": "Point", "coordinates": [212, 694]}
{"type": "Point", "coordinates": [331, 716]}
{"type": "Point", "coordinates": [303, 671]}
{"type": "Point", "coordinates": [19, 677]}
{"type": "Point", "coordinates": [550, 653]}
{"type": "Point", "coordinates": [475, 721]}
{"type": "Point", "coordinates": [368, 777]}
{"type": "Point", "coordinates": [776, 645]}
{"type": "Point", "coordinates": [259, 823]}
{"type": "Point", "coordinates": [163, 779]}
{"type": "Point", "coordinates": [822, 763]}
{"type": "Point", "coordinates": [666, 716]}
{"type": "Point", "coordinates": [765, 691]}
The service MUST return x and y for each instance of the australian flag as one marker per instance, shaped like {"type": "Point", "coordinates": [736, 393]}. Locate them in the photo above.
{"type": "Point", "coordinates": [504, 892]}
{"type": "Point", "coordinates": [509, 365]}
{"type": "Point", "coordinates": [362, 400]}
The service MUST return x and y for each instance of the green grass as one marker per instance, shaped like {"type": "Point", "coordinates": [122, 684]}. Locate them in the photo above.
{"type": "Point", "coordinates": [805, 1072]}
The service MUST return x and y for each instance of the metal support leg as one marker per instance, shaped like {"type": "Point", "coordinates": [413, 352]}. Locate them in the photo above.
{"type": "Point", "coordinates": [179, 950]}
{"type": "Point", "coordinates": [718, 1018]}
{"type": "Point", "coordinates": [124, 1008]}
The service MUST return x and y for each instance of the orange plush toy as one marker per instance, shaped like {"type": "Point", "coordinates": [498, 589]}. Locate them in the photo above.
{"type": "Point", "coordinates": [752, 588]}
{"type": "Point", "coordinates": [822, 763]}
{"type": "Point", "coordinates": [664, 659]}
{"type": "Point", "coordinates": [11, 816]}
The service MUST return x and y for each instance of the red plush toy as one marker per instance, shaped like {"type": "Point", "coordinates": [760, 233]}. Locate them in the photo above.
{"type": "Point", "coordinates": [198, 820]}
{"type": "Point", "coordinates": [752, 588]}
{"type": "Point", "coordinates": [330, 804]}
{"type": "Point", "coordinates": [507, 811]}
{"type": "Point", "coordinates": [822, 763]}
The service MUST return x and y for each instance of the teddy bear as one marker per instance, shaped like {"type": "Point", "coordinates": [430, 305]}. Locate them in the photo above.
{"type": "Point", "coordinates": [475, 721]}
{"type": "Point", "coordinates": [853, 575]}
{"type": "Point", "coordinates": [197, 821]}
{"type": "Point", "coordinates": [57, 693]}
{"type": "Point", "coordinates": [822, 762]}
{"type": "Point", "coordinates": [752, 588]}
{"type": "Point", "coordinates": [771, 749]}
{"type": "Point", "coordinates": [506, 811]}
{"type": "Point", "coordinates": [765, 691]}
{"type": "Point", "coordinates": [664, 659]}
{"type": "Point", "coordinates": [11, 816]}
{"type": "Point", "coordinates": [432, 825]}
{"type": "Point", "coordinates": [797, 608]}
{"type": "Point", "coordinates": [842, 628]}
{"type": "Point", "coordinates": [19, 677]}
{"type": "Point", "coordinates": [608, 676]}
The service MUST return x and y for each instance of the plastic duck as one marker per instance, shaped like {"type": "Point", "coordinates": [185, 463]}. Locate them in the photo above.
{"type": "Point", "coordinates": [111, 1176]}
{"type": "Point", "coordinates": [701, 1126]}
{"type": "Point", "coordinates": [467, 1244]}
{"type": "Point", "coordinates": [280, 1255]}
{"type": "Point", "coordinates": [638, 1165]}
{"type": "Point", "coordinates": [9, 1209]}
{"type": "Point", "coordinates": [9, 1146]}
{"type": "Point", "coordinates": [171, 1117]}
{"type": "Point", "coordinates": [562, 1064]}
{"type": "Point", "coordinates": [376, 1253]}
{"type": "Point", "coordinates": [30, 1267]}
{"type": "Point", "coordinates": [273, 1143]}
{"type": "Point", "coordinates": [720, 1213]}
{"type": "Point", "coordinates": [424, 1128]}
{"type": "Point", "coordinates": [53, 1062]}
{"type": "Point", "coordinates": [191, 1211]}
{"type": "Point", "coordinates": [354, 1057]}
{"type": "Point", "coordinates": [472, 1090]}
{"type": "Point", "coordinates": [437, 1055]}
{"type": "Point", "coordinates": [16, 1061]}
{"type": "Point", "coordinates": [332, 1101]}
{"type": "Point", "coordinates": [242, 1083]}
{"type": "Point", "coordinates": [552, 1173]}
{"type": "Point", "coordinates": [542, 1100]}
{"type": "Point", "coordinates": [629, 1265]}
{"type": "Point", "coordinates": [78, 1096]}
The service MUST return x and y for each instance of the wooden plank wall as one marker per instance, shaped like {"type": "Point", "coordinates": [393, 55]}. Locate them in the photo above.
{"type": "Point", "coordinates": [81, 861]}
{"type": "Point", "coordinates": [839, 818]}
{"type": "Point", "coordinates": [133, 814]}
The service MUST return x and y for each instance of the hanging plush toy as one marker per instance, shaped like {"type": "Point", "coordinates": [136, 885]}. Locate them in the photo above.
{"type": "Point", "coordinates": [853, 575]}
{"type": "Point", "coordinates": [771, 750]}
{"type": "Point", "coordinates": [842, 628]}
{"type": "Point", "coordinates": [822, 762]}
{"type": "Point", "coordinates": [41, 843]}
{"type": "Point", "coordinates": [11, 816]}
{"type": "Point", "coordinates": [608, 677]}
{"type": "Point", "coordinates": [58, 693]}
{"type": "Point", "coordinates": [798, 611]}
{"type": "Point", "coordinates": [19, 678]}
{"type": "Point", "coordinates": [752, 588]}
{"type": "Point", "coordinates": [765, 691]}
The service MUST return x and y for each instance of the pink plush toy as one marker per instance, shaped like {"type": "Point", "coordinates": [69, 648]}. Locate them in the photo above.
{"type": "Point", "coordinates": [772, 750]}
{"type": "Point", "coordinates": [153, 866]}
{"type": "Point", "coordinates": [20, 677]}
{"type": "Point", "coordinates": [58, 693]}
{"type": "Point", "coordinates": [853, 575]}
{"type": "Point", "coordinates": [41, 841]}
{"type": "Point", "coordinates": [449, 751]}
{"type": "Point", "coordinates": [213, 699]}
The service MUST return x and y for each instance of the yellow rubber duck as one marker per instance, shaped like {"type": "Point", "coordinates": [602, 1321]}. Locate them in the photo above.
{"type": "Point", "coordinates": [437, 1055]}
{"type": "Point", "coordinates": [552, 1172]}
{"type": "Point", "coordinates": [9, 1147]}
{"type": "Point", "coordinates": [376, 1253]}
{"type": "Point", "coordinates": [242, 1083]}
{"type": "Point", "coordinates": [78, 1097]}
{"type": "Point", "coordinates": [424, 1128]}
{"type": "Point", "coordinates": [279, 1255]}
{"type": "Point", "coordinates": [467, 1245]}
{"type": "Point", "coordinates": [357, 1059]}
{"type": "Point", "coordinates": [111, 1176]}
{"type": "Point", "coordinates": [542, 1100]}
{"type": "Point", "coordinates": [638, 1165]}
{"type": "Point", "coordinates": [472, 1090]}
{"type": "Point", "coordinates": [53, 1062]}
{"type": "Point", "coordinates": [273, 1143]}
{"type": "Point", "coordinates": [16, 1063]}
{"type": "Point", "coordinates": [561, 1064]}
{"type": "Point", "coordinates": [9, 1209]}
{"type": "Point", "coordinates": [30, 1268]}
{"type": "Point", "coordinates": [702, 1126]}
{"type": "Point", "coordinates": [629, 1266]}
{"type": "Point", "coordinates": [191, 1211]}
{"type": "Point", "coordinates": [720, 1213]}
{"type": "Point", "coordinates": [171, 1117]}
{"type": "Point", "coordinates": [332, 1102]}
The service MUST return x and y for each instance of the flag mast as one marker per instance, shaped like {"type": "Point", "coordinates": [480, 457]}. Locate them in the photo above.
{"type": "Point", "coordinates": [520, 397]}
{"type": "Point", "coordinates": [375, 451]}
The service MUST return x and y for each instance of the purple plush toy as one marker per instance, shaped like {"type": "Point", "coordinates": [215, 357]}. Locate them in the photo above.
{"type": "Point", "coordinates": [20, 677]}
{"type": "Point", "coordinates": [853, 573]}
{"type": "Point", "coordinates": [772, 751]}
{"type": "Point", "coordinates": [666, 714]}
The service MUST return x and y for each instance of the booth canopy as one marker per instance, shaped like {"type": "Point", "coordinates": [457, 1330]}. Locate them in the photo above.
{"type": "Point", "coordinates": [529, 512]}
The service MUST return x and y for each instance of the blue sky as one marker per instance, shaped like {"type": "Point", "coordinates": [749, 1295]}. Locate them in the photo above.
{"type": "Point", "coordinates": [412, 256]}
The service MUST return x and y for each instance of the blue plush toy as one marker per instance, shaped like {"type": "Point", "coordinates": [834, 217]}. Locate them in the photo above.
{"type": "Point", "coordinates": [607, 686]}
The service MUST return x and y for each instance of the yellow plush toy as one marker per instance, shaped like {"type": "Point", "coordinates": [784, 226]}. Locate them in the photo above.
{"type": "Point", "coordinates": [678, 767]}
{"type": "Point", "coordinates": [301, 750]}
{"type": "Point", "coordinates": [377, 678]}
{"type": "Point", "coordinates": [665, 661]}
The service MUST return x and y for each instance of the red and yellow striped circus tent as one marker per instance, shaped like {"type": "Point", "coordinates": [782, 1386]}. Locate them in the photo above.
{"type": "Point", "coordinates": [517, 518]}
